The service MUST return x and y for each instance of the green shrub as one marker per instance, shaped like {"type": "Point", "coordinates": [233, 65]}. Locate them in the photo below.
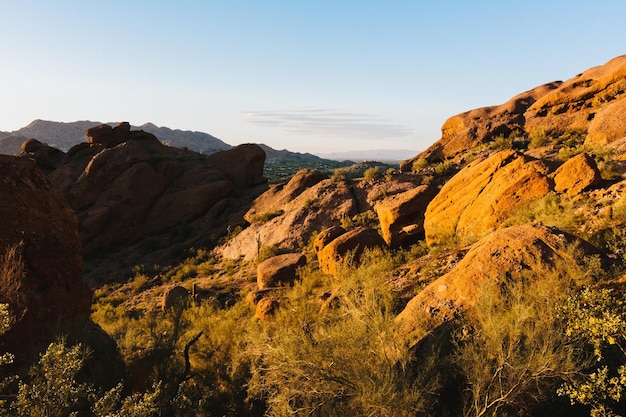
{"type": "Point", "coordinates": [419, 164]}
{"type": "Point", "coordinates": [514, 352]}
{"type": "Point", "coordinates": [443, 168]}
{"type": "Point", "coordinates": [538, 138]}
{"type": "Point", "coordinates": [335, 362]}
{"type": "Point", "coordinates": [598, 316]}
{"type": "Point", "coordinates": [373, 173]}
{"type": "Point", "coordinates": [266, 216]}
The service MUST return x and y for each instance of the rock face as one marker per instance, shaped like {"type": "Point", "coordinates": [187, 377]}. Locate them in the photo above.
{"type": "Point", "coordinates": [352, 243]}
{"type": "Point", "coordinates": [576, 174]}
{"type": "Point", "coordinates": [504, 253]}
{"type": "Point", "coordinates": [326, 236]}
{"type": "Point", "coordinates": [401, 216]}
{"type": "Point", "coordinates": [478, 198]}
{"type": "Point", "coordinates": [243, 165]}
{"type": "Point", "coordinates": [279, 270]}
{"type": "Point", "coordinates": [281, 194]}
{"type": "Point", "coordinates": [40, 258]}
{"type": "Point", "coordinates": [174, 297]}
{"type": "Point", "coordinates": [320, 206]}
{"type": "Point", "coordinates": [125, 185]}
{"type": "Point", "coordinates": [592, 102]}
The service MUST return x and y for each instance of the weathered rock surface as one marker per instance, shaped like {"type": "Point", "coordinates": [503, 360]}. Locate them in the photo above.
{"type": "Point", "coordinates": [279, 270]}
{"type": "Point", "coordinates": [576, 174]}
{"type": "Point", "coordinates": [174, 297]}
{"type": "Point", "coordinates": [326, 236]}
{"type": "Point", "coordinates": [608, 125]}
{"type": "Point", "coordinates": [504, 253]}
{"type": "Point", "coordinates": [320, 206]}
{"type": "Point", "coordinates": [348, 247]}
{"type": "Point", "coordinates": [401, 216]}
{"type": "Point", "coordinates": [279, 195]}
{"type": "Point", "coordinates": [243, 165]}
{"type": "Point", "coordinates": [40, 258]}
{"type": "Point", "coordinates": [483, 194]}
{"type": "Point", "coordinates": [125, 185]}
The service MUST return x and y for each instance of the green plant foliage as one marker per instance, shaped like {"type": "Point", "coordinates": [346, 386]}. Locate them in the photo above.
{"type": "Point", "coordinates": [514, 351]}
{"type": "Point", "coordinates": [266, 216]}
{"type": "Point", "coordinates": [538, 138]}
{"type": "Point", "coordinates": [373, 173]}
{"type": "Point", "coordinates": [599, 317]}
{"type": "Point", "coordinates": [419, 164]}
{"type": "Point", "coordinates": [336, 363]}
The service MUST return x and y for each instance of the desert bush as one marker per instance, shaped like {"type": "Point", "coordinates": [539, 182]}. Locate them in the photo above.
{"type": "Point", "coordinates": [419, 164]}
{"type": "Point", "coordinates": [444, 168]}
{"type": "Point", "coordinates": [599, 316]}
{"type": "Point", "coordinates": [12, 273]}
{"type": "Point", "coordinates": [336, 363]}
{"type": "Point", "coordinates": [367, 218]}
{"type": "Point", "coordinates": [373, 173]}
{"type": "Point", "coordinates": [538, 138]}
{"type": "Point", "coordinates": [266, 216]}
{"type": "Point", "coordinates": [502, 142]}
{"type": "Point", "coordinates": [514, 352]}
{"type": "Point", "coordinates": [568, 152]}
{"type": "Point", "coordinates": [339, 174]}
{"type": "Point", "coordinates": [554, 209]}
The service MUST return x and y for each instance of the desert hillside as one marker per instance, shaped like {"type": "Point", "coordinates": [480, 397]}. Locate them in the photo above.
{"type": "Point", "coordinates": [485, 277]}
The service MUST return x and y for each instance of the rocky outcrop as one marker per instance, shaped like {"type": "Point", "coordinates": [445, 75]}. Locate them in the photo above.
{"type": "Point", "coordinates": [591, 102]}
{"type": "Point", "coordinates": [40, 258]}
{"type": "Point", "coordinates": [125, 184]}
{"type": "Point", "coordinates": [503, 254]}
{"type": "Point", "coordinates": [401, 216]}
{"type": "Point", "coordinates": [174, 297]}
{"type": "Point", "coordinates": [279, 195]}
{"type": "Point", "coordinates": [484, 194]}
{"type": "Point", "coordinates": [577, 174]}
{"type": "Point", "coordinates": [608, 124]}
{"type": "Point", "coordinates": [243, 165]}
{"type": "Point", "coordinates": [348, 247]}
{"type": "Point", "coordinates": [279, 270]}
{"type": "Point", "coordinates": [320, 206]}
{"type": "Point", "coordinates": [326, 236]}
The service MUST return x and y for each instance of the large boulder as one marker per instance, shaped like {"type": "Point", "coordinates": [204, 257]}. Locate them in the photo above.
{"type": "Point", "coordinates": [577, 174]}
{"type": "Point", "coordinates": [277, 196]}
{"type": "Point", "coordinates": [318, 207]}
{"type": "Point", "coordinates": [40, 258]}
{"type": "Point", "coordinates": [484, 194]}
{"type": "Point", "coordinates": [326, 236]}
{"type": "Point", "coordinates": [501, 255]}
{"type": "Point", "coordinates": [608, 125]}
{"type": "Point", "coordinates": [348, 247]}
{"type": "Point", "coordinates": [243, 164]}
{"type": "Point", "coordinates": [401, 216]}
{"type": "Point", "coordinates": [279, 270]}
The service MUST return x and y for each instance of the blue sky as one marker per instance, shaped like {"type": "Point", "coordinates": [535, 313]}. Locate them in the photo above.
{"type": "Point", "coordinates": [315, 76]}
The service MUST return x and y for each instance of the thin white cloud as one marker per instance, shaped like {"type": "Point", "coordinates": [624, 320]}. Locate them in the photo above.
{"type": "Point", "coordinates": [329, 123]}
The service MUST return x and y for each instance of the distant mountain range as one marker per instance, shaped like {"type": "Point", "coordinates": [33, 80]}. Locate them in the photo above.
{"type": "Point", "coordinates": [65, 135]}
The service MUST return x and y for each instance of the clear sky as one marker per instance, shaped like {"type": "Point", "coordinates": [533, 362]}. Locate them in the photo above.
{"type": "Point", "coordinates": [315, 76]}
